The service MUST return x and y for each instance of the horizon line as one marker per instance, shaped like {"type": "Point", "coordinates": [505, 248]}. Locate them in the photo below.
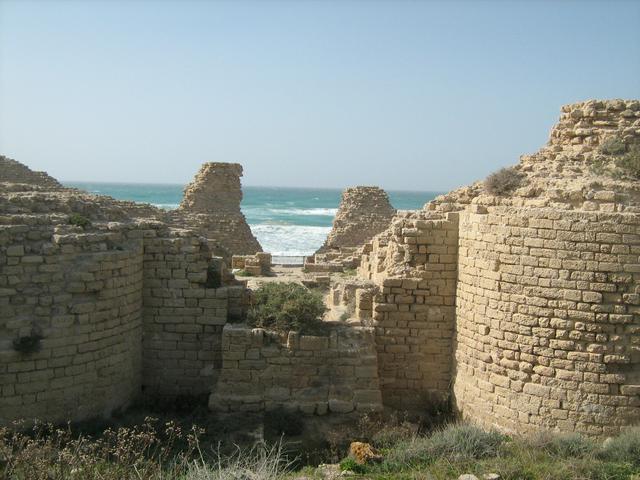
{"type": "Point", "coordinates": [167, 184]}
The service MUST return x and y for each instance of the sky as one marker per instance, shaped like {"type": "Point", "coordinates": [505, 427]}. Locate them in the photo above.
{"type": "Point", "coordinates": [412, 95]}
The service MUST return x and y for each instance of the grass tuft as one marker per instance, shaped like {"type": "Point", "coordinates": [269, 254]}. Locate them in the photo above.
{"type": "Point", "coordinates": [623, 448]}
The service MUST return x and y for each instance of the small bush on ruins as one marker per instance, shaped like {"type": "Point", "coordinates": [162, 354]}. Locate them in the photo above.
{"type": "Point", "coordinates": [79, 221]}
{"type": "Point", "coordinates": [613, 146]}
{"type": "Point", "coordinates": [626, 159]}
{"type": "Point", "coordinates": [630, 161]}
{"type": "Point", "coordinates": [504, 181]}
{"type": "Point", "coordinates": [287, 306]}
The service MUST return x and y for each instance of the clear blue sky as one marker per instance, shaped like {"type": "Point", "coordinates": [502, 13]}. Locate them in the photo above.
{"type": "Point", "coordinates": [403, 94]}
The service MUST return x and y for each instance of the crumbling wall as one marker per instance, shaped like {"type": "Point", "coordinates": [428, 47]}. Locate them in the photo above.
{"type": "Point", "coordinates": [15, 172]}
{"type": "Point", "coordinates": [211, 205]}
{"type": "Point", "coordinates": [363, 213]}
{"type": "Point", "coordinates": [258, 264]}
{"type": "Point", "coordinates": [313, 374]}
{"type": "Point", "coordinates": [548, 320]}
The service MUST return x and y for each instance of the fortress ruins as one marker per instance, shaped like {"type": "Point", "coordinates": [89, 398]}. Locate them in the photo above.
{"type": "Point", "coordinates": [520, 309]}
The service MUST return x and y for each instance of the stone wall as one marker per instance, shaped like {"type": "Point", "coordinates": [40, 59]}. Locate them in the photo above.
{"type": "Point", "coordinates": [91, 319]}
{"type": "Point", "coordinates": [363, 213]}
{"type": "Point", "coordinates": [257, 265]}
{"type": "Point", "coordinates": [414, 309]}
{"type": "Point", "coordinates": [81, 293]}
{"type": "Point", "coordinates": [184, 312]}
{"type": "Point", "coordinates": [548, 320]}
{"type": "Point", "coordinates": [313, 374]}
{"type": "Point", "coordinates": [15, 172]}
{"type": "Point", "coordinates": [211, 205]}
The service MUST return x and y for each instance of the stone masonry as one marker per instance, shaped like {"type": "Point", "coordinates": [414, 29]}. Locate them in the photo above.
{"type": "Point", "coordinates": [211, 205]}
{"type": "Point", "coordinates": [521, 309]}
{"type": "Point", "coordinates": [15, 172]}
{"type": "Point", "coordinates": [264, 370]}
{"type": "Point", "coordinates": [538, 315]}
{"type": "Point", "coordinates": [363, 213]}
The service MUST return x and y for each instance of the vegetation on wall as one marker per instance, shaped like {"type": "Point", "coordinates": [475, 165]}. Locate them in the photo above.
{"type": "Point", "coordinates": [617, 159]}
{"type": "Point", "coordinates": [79, 221]}
{"type": "Point", "coordinates": [287, 306]}
{"type": "Point", "coordinates": [504, 181]}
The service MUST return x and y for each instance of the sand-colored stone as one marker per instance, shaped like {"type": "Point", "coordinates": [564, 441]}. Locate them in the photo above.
{"type": "Point", "coordinates": [211, 205]}
{"type": "Point", "coordinates": [363, 213]}
{"type": "Point", "coordinates": [17, 173]}
{"type": "Point", "coordinates": [526, 303]}
{"type": "Point", "coordinates": [522, 309]}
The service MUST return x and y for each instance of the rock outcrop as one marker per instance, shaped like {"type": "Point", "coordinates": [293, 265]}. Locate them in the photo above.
{"type": "Point", "coordinates": [17, 173]}
{"type": "Point", "coordinates": [211, 205]}
{"type": "Point", "coordinates": [363, 213]}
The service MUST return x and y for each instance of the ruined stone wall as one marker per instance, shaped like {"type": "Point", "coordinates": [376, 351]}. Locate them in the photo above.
{"type": "Point", "coordinates": [211, 205]}
{"type": "Point", "coordinates": [414, 309]}
{"type": "Point", "coordinates": [313, 374]}
{"type": "Point", "coordinates": [363, 213]}
{"type": "Point", "coordinates": [548, 320]}
{"type": "Point", "coordinates": [184, 312]}
{"type": "Point", "coordinates": [81, 294]}
{"type": "Point", "coordinates": [15, 172]}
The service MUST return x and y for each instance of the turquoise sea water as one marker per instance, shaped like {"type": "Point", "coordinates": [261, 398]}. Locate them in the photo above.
{"type": "Point", "coordinates": [286, 221]}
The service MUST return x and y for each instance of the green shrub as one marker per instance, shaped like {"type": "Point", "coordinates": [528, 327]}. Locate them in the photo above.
{"type": "Point", "coordinates": [79, 221]}
{"type": "Point", "coordinates": [613, 146]}
{"type": "Point", "coordinates": [287, 306]}
{"type": "Point", "coordinates": [623, 448]}
{"type": "Point", "coordinates": [243, 273]}
{"type": "Point", "coordinates": [630, 161]}
{"type": "Point", "coordinates": [504, 181]}
{"type": "Point", "coordinates": [350, 465]}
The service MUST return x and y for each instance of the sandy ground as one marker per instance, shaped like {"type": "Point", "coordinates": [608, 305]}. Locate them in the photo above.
{"type": "Point", "coordinates": [279, 274]}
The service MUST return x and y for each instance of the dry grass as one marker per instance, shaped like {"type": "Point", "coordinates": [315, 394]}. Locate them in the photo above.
{"type": "Point", "coordinates": [162, 451]}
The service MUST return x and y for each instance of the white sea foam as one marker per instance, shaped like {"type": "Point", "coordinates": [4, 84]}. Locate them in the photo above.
{"type": "Point", "coordinates": [328, 212]}
{"type": "Point", "coordinates": [290, 240]}
{"type": "Point", "coordinates": [166, 206]}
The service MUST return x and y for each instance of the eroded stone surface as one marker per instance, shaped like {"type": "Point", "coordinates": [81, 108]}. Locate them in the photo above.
{"type": "Point", "coordinates": [211, 205]}
{"type": "Point", "coordinates": [363, 213]}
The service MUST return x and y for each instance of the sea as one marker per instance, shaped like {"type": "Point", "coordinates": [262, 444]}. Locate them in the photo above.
{"type": "Point", "coordinates": [286, 221]}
